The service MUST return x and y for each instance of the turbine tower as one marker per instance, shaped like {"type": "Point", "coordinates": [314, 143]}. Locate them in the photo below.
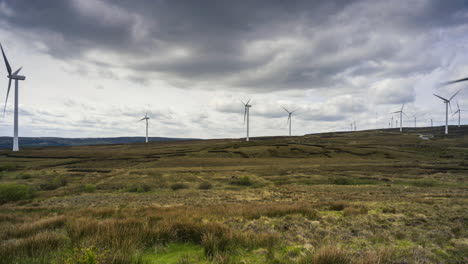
{"type": "Point", "coordinates": [289, 118]}
{"type": "Point", "coordinates": [447, 105]}
{"type": "Point", "coordinates": [16, 77]}
{"type": "Point", "coordinates": [459, 113]}
{"type": "Point", "coordinates": [401, 117]}
{"type": "Point", "coordinates": [246, 116]}
{"type": "Point", "coordinates": [146, 118]}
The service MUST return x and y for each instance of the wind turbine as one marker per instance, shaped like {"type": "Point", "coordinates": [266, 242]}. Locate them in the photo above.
{"type": "Point", "coordinates": [246, 116]}
{"type": "Point", "coordinates": [447, 104]}
{"type": "Point", "coordinates": [414, 120]}
{"type": "Point", "coordinates": [16, 77]}
{"type": "Point", "coordinates": [459, 113]}
{"type": "Point", "coordinates": [401, 117]}
{"type": "Point", "coordinates": [146, 118]}
{"type": "Point", "coordinates": [289, 118]}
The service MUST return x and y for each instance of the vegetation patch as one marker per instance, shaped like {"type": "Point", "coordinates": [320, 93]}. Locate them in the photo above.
{"type": "Point", "coordinates": [179, 186]}
{"type": "Point", "coordinates": [242, 181]}
{"type": "Point", "coordinates": [14, 192]}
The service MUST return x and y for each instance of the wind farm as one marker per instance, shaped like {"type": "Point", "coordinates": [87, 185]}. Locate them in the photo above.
{"type": "Point", "coordinates": [227, 132]}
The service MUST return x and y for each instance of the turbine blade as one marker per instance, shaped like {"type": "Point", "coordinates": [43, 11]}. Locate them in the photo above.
{"type": "Point", "coordinates": [289, 119]}
{"type": "Point", "coordinates": [454, 95]}
{"type": "Point", "coordinates": [450, 106]}
{"type": "Point", "coordinates": [18, 70]}
{"type": "Point", "coordinates": [6, 61]}
{"type": "Point", "coordinates": [243, 102]}
{"type": "Point", "coordinates": [285, 109]}
{"type": "Point", "coordinates": [405, 114]}
{"type": "Point", "coordinates": [6, 99]}
{"type": "Point", "coordinates": [441, 97]}
{"type": "Point", "coordinates": [249, 100]}
{"type": "Point", "coordinates": [455, 81]}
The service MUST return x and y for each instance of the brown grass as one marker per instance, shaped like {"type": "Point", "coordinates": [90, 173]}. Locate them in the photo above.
{"type": "Point", "coordinates": [40, 244]}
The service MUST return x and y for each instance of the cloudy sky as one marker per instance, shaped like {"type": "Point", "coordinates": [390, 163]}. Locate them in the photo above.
{"type": "Point", "coordinates": [94, 67]}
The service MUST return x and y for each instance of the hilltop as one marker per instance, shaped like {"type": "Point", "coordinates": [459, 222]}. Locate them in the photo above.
{"type": "Point", "coordinates": [6, 142]}
{"type": "Point", "coordinates": [356, 197]}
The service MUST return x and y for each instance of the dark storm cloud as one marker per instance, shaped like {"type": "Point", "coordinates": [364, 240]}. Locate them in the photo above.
{"type": "Point", "coordinates": [260, 45]}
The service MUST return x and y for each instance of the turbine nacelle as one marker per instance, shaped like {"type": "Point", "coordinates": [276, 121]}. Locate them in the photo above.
{"type": "Point", "coordinates": [17, 77]}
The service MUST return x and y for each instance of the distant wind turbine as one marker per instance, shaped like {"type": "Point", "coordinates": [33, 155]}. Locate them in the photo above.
{"type": "Point", "coordinates": [447, 105]}
{"type": "Point", "coordinates": [414, 121]}
{"type": "Point", "coordinates": [459, 113]}
{"type": "Point", "coordinates": [401, 117]}
{"type": "Point", "coordinates": [146, 118]}
{"type": "Point", "coordinates": [289, 118]}
{"type": "Point", "coordinates": [16, 77]}
{"type": "Point", "coordinates": [246, 116]}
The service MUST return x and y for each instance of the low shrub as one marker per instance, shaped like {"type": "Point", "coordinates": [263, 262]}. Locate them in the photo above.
{"type": "Point", "coordinates": [23, 176]}
{"type": "Point", "coordinates": [87, 188]}
{"type": "Point", "coordinates": [389, 210]}
{"type": "Point", "coordinates": [342, 181]}
{"type": "Point", "coordinates": [337, 206]}
{"type": "Point", "coordinates": [205, 186]}
{"type": "Point", "coordinates": [178, 186]}
{"type": "Point", "coordinates": [243, 181]}
{"type": "Point", "coordinates": [8, 167]}
{"type": "Point", "coordinates": [140, 188]}
{"type": "Point", "coordinates": [14, 192]}
{"type": "Point", "coordinates": [57, 182]}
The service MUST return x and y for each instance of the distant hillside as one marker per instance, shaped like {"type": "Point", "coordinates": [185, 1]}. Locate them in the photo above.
{"type": "Point", "coordinates": [6, 142]}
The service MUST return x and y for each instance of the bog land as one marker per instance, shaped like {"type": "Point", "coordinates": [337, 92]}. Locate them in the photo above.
{"type": "Point", "coordinates": [358, 197]}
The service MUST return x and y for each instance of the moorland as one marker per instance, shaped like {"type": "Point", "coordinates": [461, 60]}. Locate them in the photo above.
{"type": "Point", "coordinates": [376, 196]}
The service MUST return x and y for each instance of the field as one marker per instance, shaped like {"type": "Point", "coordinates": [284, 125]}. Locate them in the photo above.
{"type": "Point", "coordinates": [359, 197]}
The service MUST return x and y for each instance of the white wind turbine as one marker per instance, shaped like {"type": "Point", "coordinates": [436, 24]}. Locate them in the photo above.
{"type": "Point", "coordinates": [447, 105]}
{"type": "Point", "coordinates": [401, 117]}
{"type": "Point", "coordinates": [289, 118]}
{"type": "Point", "coordinates": [16, 77]}
{"type": "Point", "coordinates": [246, 116]}
{"type": "Point", "coordinates": [146, 118]}
{"type": "Point", "coordinates": [459, 113]}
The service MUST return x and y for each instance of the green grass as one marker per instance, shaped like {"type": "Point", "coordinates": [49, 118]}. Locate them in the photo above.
{"type": "Point", "coordinates": [173, 253]}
